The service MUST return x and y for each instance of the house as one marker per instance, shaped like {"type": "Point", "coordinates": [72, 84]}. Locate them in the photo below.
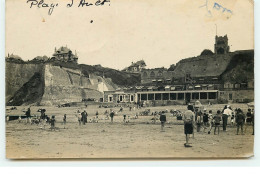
{"type": "Point", "coordinates": [136, 67]}
{"type": "Point", "coordinates": [64, 54]}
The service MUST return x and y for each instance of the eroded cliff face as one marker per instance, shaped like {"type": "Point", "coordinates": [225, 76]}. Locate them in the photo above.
{"type": "Point", "coordinates": [64, 85]}
{"type": "Point", "coordinates": [17, 74]}
{"type": "Point", "coordinates": [46, 84]}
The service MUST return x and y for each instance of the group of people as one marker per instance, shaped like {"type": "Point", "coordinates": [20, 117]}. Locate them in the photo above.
{"type": "Point", "coordinates": [194, 118]}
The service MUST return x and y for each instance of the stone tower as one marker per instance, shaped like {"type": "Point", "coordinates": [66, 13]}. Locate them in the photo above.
{"type": "Point", "coordinates": [221, 45]}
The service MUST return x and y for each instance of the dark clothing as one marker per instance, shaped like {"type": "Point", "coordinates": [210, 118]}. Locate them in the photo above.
{"type": "Point", "coordinates": [188, 128]}
{"type": "Point", "coordinates": [163, 118]}
{"type": "Point", "coordinates": [224, 118]}
{"type": "Point", "coordinates": [28, 113]}
{"type": "Point", "coordinates": [217, 118]}
{"type": "Point", "coordinates": [205, 117]}
{"type": "Point", "coordinates": [84, 116]}
{"type": "Point", "coordinates": [240, 118]}
{"type": "Point", "coordinates": [112, 114]}
{"type": "Point", "coordinates": [52, 122]}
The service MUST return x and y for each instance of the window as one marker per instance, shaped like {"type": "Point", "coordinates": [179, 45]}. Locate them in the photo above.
{"type": "Point", "coordinates": [150, 96]}
{"type": "Point", "coordinates": [195, 96]}
{"type": "Point", "coordinates": [230, 96]}
{"type": "Point", "coordinates": [143, 96]}
{"type": "Point", "coordinates": [120, 97]}
{"type": "Point", "coordinates": [110, 98]}
{"type": "Point", "coordinates": [165, 96]}
{"type": "Point", "coordinates": [159, 74]}
{"type": "Point", "coordinates": [145, 75]}
{"type": "Point", "coordinates": [203, 95]}
{"type": "Point", "coordinates": [152, 75]}
{"type": "Point", "coordinates": [158, 96]}
{"type": "Point", "coordinates": [212, 95]}
{"type": "Point", "coordinates": [131, 98]}
{"type": "Point", "coordinates": [172, 96]}
{"type": "Point", "coordinates": [180, 96]}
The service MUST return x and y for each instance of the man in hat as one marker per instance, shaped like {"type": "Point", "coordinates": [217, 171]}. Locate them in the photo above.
{"type": "Point", "coordinates": [163, 120]}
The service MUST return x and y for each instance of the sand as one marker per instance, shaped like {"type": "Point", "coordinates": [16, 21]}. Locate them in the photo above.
{"type": "Point", "coordinates": [139, 138]}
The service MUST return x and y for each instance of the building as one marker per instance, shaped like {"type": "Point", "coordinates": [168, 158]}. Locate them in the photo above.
{"type": "Point", "coordinates": [219, 77]}
{"type": "Point", "coordinates": [136, 67]}
{"type": "Point", "coordinates": [64, 54]}
{"type": "Point", "coordinates": [156, 76]}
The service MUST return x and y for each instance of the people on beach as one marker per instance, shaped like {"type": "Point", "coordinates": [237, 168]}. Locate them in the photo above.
{"type": "Point", "coordinates": [198, 120]}
{"type": "Point", "coordinates": [205, 120]}
{"type": "Point", "coordinates": [217, 119]}
{"type": "Point", "coordinates": [28, 115]}
{"type": "Point", "coordinates": [124, 118]}
{"type": "Point", "coordinates": [112, 116]}
{"type": "Point", "coordinates": [52, 121]}
{"type": "Point", "coordinates": [210, 121]}
{"type": "Point", "coordinates": [84, 116]}
{"type": "Point", "coordinates": [64, 120]}
{"type": "Point", "coordinates": [163, 120]}
{"type": "Point", "coordinates": [227, 112]}
{"type": "Point", "coordinates": [248, 120]}
{"type": "Point", "coordinates": [240, 119]}
{"type": "Point", "coordinates": [188, 119]}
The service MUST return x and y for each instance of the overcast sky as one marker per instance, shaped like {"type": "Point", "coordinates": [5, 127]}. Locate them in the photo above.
{"type": "Point", "coordinates": [160, 32]}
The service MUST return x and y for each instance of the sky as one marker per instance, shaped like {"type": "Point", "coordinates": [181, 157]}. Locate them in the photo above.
{"type": "Point", "coordinates": [125, 31]}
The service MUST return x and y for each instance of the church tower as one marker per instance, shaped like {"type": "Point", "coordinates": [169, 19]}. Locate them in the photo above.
{"type": "Point", "coordinates": [221, 45]}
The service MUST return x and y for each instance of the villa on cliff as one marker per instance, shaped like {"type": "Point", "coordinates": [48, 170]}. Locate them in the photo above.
{"type": "Point", "coordinates": [64, 54]}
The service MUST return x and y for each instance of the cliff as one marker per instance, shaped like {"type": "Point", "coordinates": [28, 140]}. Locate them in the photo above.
{"type": "Point", "coordinates": [217, 65]}
{"type": "Point", "coordinates": [56, 83]}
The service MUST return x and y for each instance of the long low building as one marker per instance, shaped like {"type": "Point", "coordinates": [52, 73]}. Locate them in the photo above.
{"type": "Point", "coordinates": [169, 95]}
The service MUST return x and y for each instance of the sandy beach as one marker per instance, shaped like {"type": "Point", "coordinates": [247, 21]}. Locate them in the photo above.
{"type": "Point", "coordinates": [139, 138]}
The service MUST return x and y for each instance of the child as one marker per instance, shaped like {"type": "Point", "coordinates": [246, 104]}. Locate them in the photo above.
{"type": "Point", "coordinates": [210, 121]}
{"type": "Point", "coordinates": [52, 121]}
{"type": "Point", "coordinates": [217, 119]}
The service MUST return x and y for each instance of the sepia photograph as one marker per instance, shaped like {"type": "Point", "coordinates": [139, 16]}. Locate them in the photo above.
{"type": "Point", "coordinates": [129, 79]}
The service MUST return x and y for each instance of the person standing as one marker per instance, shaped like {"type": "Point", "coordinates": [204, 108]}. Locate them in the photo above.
{"type": "Point", "coordinates": [64, 120]}
{"type": "Point", "coordinates": [248, 119]}
{"type": "Point", "coordinates": [205, 120]}
{"type": "Point", "coordinates": [188, 119]}
{"type": "Point", "coordinates": [84, 115]}
{"type": "Point", "coordinates": [210, 121]}
{"type": "Point", "coordinates": [227, 112]}
{"type": "Point", "coordinates": [112, 116]}
{"type": "Point", "coordinates": [53, 123]}
{"type": "Point", "coordinates": [240, 120]}
{"type": "Point", "coordinates": [28, 114]}
{"type": "Point", "coordinates": [217, 119]}
{"type": "Point", "coordinates": [163, 120]}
